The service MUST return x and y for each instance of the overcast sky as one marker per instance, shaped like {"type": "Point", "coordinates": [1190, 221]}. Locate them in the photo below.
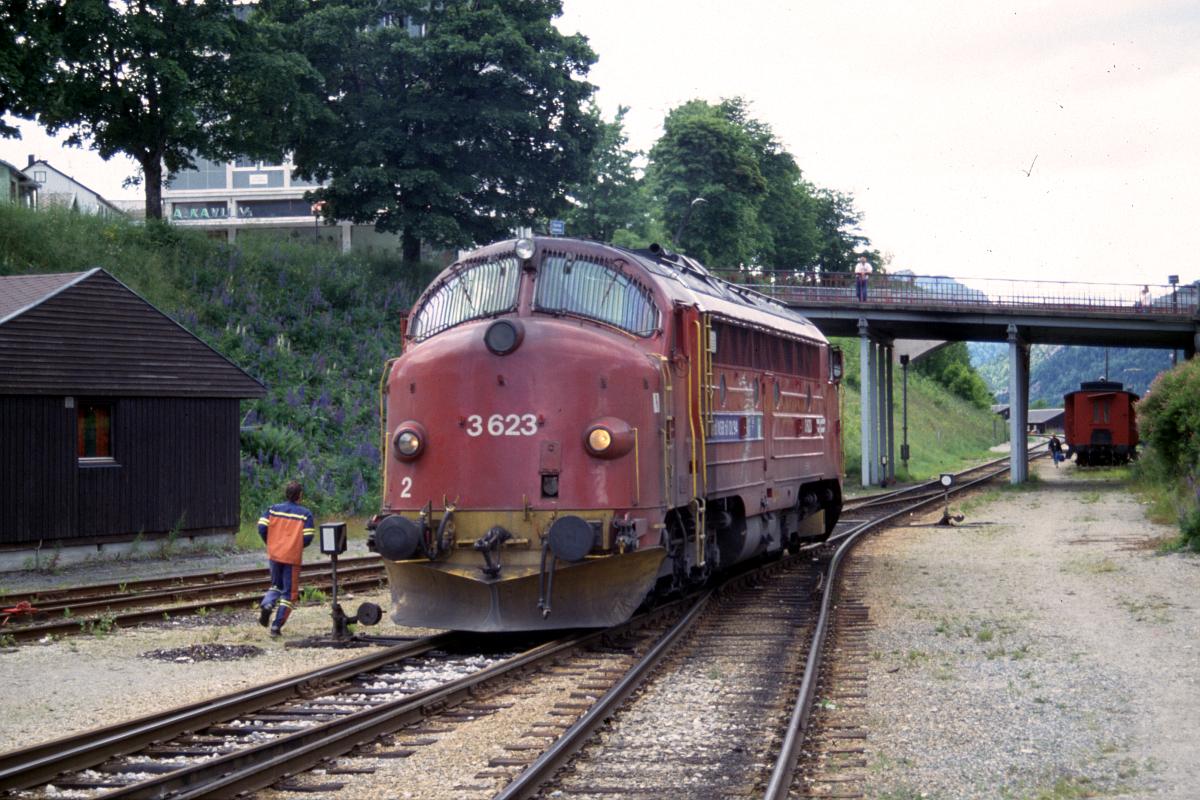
{"type": "Point", "coordinates": [930, 114]}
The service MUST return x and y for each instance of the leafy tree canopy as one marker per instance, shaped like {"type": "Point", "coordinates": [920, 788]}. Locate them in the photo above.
{"type": "Point", "coordinates": [21, 64]}
{"type": "Point", "coordinates": [705, 169]}
{"type": "Point", "coordinates": [448, 122]}
{"type": "Point", "coordinates": [951, 367]}
{"type": "Point", "coordinates": [145, 78]}
{"type": "Point", "coordinates": [839, 239]}
{"type": "Point", "coordinates": [609, 200]}
{"type": "Point", "coordinates": [756, 208]}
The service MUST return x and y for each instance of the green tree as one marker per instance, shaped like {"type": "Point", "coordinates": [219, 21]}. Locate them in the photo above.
{"type": "Point", "coordinates": [787, 211]}
{"type": "Point", "coordinates": [757, 207]}
{"type": "Point", "coordinates": [609, 199]}
{"type": "Point", "coordinates": [705, 169]}
{"type": "Point", "coordinates": [448, 122]}
{"type": "Point", "coordinates": [839, 238]}
{"type": "Point", "coordinates": [145, 78]}
{"type": "Point", "coordinates": [18, 64]}
{"type": "Point", "coordinates": [951, 367]}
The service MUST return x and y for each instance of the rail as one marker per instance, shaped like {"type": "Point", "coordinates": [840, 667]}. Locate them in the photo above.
{"type": "Point", "coordinates": [779, 786]}
{"type": "Point", "coordinates": [838, 288]}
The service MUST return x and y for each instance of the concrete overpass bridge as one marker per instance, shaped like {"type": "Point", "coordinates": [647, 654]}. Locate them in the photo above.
{"type": "Point", "coordinates": [1020, 313]}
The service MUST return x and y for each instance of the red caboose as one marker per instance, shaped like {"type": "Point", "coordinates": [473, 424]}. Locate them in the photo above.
{"type": "Point", "coordinates": [1099, 423]}
{"type": "Point", "coordinates": [573, 426]}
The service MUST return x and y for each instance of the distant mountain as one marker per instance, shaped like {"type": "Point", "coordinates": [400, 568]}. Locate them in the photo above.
{"type": "Point", "coordinates": [1055, 370]}
{"type": "Point", "coordinates": [940, 285]}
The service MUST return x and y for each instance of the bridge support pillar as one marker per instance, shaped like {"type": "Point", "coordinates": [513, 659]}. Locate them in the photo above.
{"type": "Point", "coordinates": [878, 432]}
{"type": "Point", "coordinates": [883, 419]}
{"type": "Point", "coordinates": [890, 418]}
{"type": "Point", "coordinates": [1018, 405]}
{"type": "Point", "coordinates": [867, 406]}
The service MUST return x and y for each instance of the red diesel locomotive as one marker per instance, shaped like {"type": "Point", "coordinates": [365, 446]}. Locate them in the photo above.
{"type": "Point", "coordinates": [1099, 423]}
{"type": "Point", "coordinates": [572, 426]}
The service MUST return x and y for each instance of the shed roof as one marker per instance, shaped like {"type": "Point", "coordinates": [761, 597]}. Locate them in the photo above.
{"type": "Point", "coordinates": [86, 333]}
{"type": "Point", "coordinates": [19, 292]}
{"type": "Point", "coordinates": [1044, 415]}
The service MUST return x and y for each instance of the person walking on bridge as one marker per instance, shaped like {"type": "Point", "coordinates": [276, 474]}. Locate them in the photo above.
{"type": "Point", "coordinates": [861, 273]}
{"type": "Point", "coordinates": [287, 528]}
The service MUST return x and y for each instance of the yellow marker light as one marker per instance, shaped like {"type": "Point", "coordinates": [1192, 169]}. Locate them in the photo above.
{"type": "Point", "coordinates": [599, 440]}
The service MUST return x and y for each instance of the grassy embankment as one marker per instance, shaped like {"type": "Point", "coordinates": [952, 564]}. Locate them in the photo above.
{"type": "Point", "coordinates": [316, 328]}
{"type": "Point", "coordinates": [945, 432]}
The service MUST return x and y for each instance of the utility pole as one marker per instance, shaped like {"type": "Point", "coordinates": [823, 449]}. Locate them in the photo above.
{"type": "Point", "coordinates": [904, 413]}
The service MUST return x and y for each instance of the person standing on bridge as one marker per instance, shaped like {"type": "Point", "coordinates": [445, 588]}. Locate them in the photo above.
{"type": "Point", "coordinates": [287, 528]}
{"type": "Point", "coordinates": [861, 273]}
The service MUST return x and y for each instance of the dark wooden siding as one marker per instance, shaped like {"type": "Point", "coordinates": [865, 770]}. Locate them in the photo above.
{"type": "Point", "coordinates": [98, 337]}
{"type": "Point", "coordinates": [37, 469]}
{"type": "Point", "coordinates": [176, 466]}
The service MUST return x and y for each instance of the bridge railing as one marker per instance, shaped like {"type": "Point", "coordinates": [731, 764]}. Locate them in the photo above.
{"type": "Point", "coordinates": [839, 288]}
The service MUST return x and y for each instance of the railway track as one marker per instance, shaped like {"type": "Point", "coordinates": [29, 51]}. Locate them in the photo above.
{"type": "Point", "coordinates": [771, 644]}
{"type": "Point", "coordinates": [259, 737]}
{"type": "Point", "coordinates": [760, 632]}
{"type": "Point", "coordinates": [80, 609]}
{"type": "Point", "coordinates": [933, 488]}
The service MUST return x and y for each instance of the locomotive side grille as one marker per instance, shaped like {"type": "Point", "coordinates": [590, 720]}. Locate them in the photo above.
{"type": "Point", "coordinates": [590, 288]}
{"type": "Point", "coordinates": [472, 292]}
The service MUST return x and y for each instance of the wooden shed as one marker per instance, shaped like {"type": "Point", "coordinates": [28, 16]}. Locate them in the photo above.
{"type": "Point", "coordinates": [115, 421]}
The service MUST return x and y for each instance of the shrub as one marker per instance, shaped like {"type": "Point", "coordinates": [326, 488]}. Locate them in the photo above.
{"type": "Point", "coordinates": [1169, 425]}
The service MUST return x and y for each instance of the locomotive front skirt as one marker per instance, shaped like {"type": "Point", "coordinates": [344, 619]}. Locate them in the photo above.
{"type": "Point", "coordinates": [574, 427]}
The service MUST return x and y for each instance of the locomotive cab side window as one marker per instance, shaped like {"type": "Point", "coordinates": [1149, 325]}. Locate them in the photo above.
{"type": "Point", "coordinates": [474, 291]}
{"type": "Point", "coordinates": [573, 285]}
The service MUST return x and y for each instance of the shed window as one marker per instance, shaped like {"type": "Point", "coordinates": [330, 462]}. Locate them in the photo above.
{"type": "Point", "coordinates": [94, 426]}
{"type": "Point", "coordinates": [572, 285]}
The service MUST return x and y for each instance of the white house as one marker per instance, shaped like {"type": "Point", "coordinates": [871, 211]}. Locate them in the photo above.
{"type": "Point", "coordinates": [56, 188]}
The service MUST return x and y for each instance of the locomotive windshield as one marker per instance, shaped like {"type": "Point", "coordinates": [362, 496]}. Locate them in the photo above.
{"type": "Point", "coordinates": [574, 285]}
{"type": "Point", "coordinates": [471, 292]}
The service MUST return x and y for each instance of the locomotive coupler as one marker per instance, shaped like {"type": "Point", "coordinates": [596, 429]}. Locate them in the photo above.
{"type": "Point", "coordinates": [490, 543]}
{"type": "Point", "coordinates": [626, 535]}
{"type": "Point", "coordinates": [440, 542]}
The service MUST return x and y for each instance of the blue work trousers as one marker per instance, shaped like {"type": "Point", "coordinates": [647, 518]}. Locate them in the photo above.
{"type": "Point", "coordinates": [284, 591]}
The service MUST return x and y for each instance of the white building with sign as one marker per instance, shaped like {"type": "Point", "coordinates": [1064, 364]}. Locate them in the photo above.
{"type": "Point", "coordinates": [244, 195]}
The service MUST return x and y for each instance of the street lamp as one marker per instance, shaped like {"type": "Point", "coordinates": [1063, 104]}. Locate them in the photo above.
{"type": "Point", "coordinates": [686, 216]}
{"type": "Point", "coordinates": [317, 209]}
{"type": "Point", "coordinates": [1174, 281]}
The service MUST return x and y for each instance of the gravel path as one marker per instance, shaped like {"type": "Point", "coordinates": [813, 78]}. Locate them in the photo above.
{"type": "Point", "coordinates": [1043, 650]}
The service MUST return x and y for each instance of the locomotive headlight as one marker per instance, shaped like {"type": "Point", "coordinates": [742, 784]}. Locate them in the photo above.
{"type": "Point", "coordinates": [524, 248]}
{"type": "Point", "coordinates": [599, 440]}
{"type": "Point", "coordinates": [609, 437]}
{"type": "Point", "coordinates": [408, 443]}
{"type": "Point", "coordinates": [408, 440]}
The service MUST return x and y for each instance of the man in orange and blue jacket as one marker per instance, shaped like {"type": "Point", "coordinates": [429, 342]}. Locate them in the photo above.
{"type": "Point", "coordinates": [287, 528]}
